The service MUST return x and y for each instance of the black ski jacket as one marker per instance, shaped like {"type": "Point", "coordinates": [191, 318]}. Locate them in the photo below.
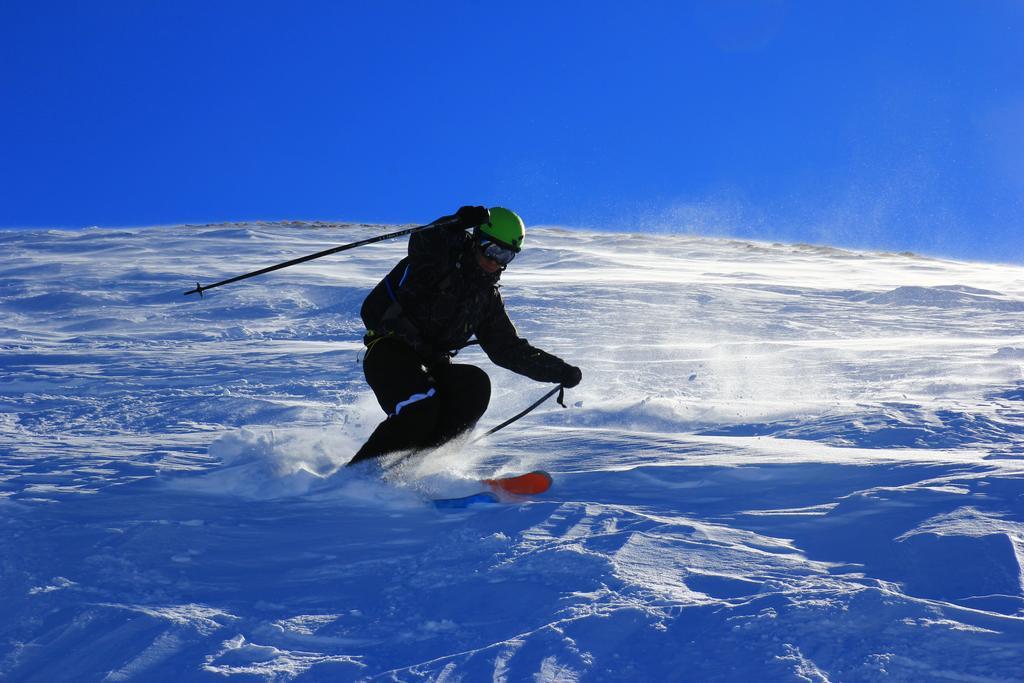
{"type": "Point", "coordinates": [438, 297]}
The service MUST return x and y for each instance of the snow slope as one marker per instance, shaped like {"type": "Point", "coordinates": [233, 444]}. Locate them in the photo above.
{"type": "Point", "coordinates": [785, 463]}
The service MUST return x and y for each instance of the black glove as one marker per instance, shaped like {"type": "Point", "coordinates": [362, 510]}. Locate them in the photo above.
{"type": "Point", "coordinates": [571, 376]}
{"type": "Point", "coordinates": [471, 216]}
{"type": "Point", "coordinates": [431, 357]}
{"type": "Point", "coordinates": [438, 358]}
{"type": "Point", "coordinates": [437, 363]}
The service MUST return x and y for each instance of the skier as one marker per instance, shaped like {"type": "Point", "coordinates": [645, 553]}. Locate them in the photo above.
{"type": "Point", "coordinates": [425, 310]}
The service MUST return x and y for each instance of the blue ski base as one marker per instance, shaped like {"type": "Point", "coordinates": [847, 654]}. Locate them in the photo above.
{"type": "Point", "coordinates": [484, 498]}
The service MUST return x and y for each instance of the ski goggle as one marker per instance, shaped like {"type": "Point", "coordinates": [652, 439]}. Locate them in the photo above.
{"type": "Point", "coordinates": [498, 253]}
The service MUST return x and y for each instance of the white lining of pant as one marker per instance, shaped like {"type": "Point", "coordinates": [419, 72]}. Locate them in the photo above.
{"type": "Point", "coordinates": [412, 399]}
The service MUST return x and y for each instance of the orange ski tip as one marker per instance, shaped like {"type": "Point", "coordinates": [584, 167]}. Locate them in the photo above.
{"type": "Point", "coordinates": [528, 484]}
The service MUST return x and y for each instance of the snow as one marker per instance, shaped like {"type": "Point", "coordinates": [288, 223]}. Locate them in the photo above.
{"type": "Point", "coordinates": [785, 463]}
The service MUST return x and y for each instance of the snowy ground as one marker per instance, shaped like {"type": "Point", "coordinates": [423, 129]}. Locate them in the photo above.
{"type": "Point", "coordinates": [785, 463]}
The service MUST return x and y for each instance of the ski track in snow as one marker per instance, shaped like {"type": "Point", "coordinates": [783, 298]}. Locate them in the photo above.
{"type": "Point", "coordinates": [785, 463]}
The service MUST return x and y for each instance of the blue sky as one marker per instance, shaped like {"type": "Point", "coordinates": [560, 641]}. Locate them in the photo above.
{"type": "Point", "coordinates": [889, 125]}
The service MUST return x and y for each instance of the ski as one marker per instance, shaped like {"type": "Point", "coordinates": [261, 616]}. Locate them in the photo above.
{"type": "Point", "coordinates": [483, 498]}
{"type": "Point", "coordinates": [529, 484]}
{"type": "Point", "coordinates": [501, 489]}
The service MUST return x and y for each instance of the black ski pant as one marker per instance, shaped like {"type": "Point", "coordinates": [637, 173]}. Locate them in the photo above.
{"type": "Point", "coordinates": [425, 408]}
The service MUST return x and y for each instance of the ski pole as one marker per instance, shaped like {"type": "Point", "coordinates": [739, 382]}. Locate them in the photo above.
{"type": "Point", "coordinates": [560, 390]}
{"type": "Point", "coordinates": [326, 252]}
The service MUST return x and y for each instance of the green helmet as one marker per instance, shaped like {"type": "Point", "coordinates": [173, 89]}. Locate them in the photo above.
{"type": "Point", "coordinates": [506, 227]}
